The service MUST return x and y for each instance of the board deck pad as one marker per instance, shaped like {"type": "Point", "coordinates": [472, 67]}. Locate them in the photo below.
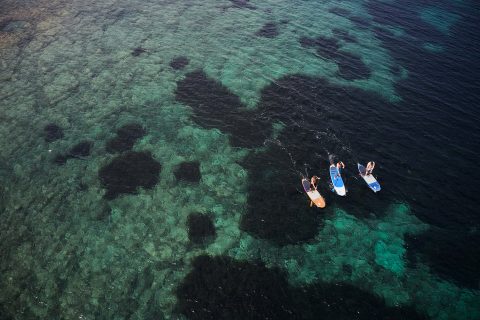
{"type": "Point", "coordinates": [370, 179]}
{"type": "Point", "coordinates": [313, 194]}
{"type": "Point", "coordinates": [337, 181]}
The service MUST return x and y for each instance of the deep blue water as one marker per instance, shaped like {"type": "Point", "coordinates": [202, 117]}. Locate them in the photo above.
{"type": "Point", "coordinates": [425, 146]}
{"type": "Point", "coordinates": [443, 135]}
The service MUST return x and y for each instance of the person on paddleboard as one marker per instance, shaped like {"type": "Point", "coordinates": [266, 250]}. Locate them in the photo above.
{"type": "Point", "coordinates": [313, 182]}
{"type": "Point", "coordinates": [370, 167]}
{"type": "Point", "coordinates": [340, 166]}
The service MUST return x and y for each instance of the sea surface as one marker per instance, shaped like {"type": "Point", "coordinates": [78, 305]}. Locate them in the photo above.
{"type": "Point", "coordinates": [151, 156]}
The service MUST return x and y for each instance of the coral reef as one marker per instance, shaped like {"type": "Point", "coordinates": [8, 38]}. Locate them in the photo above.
{"type": "Point", "coordinates": [138, 51]}
{"type": "Point", "coordinates": [269, 30]}
{"type": "Point", "coordinates": [81, 149]}
{"type": "Point", "coordinates": [129, 171]}
{"type": "Point", "coordinates": [344, 35]}
{"type": "Point", "coordinates": [214, 106]}
{"type": "Point", "coordinates": [126, 137]}
{"type": "Point", "coordinates": [342, 12]}
{"type": "Point", "coordinates": [223, 288]}
{"type": "Point", "coordinates": [243, 4]}
{"type": "Point", "coordinates": [286, 220]}
{"type": "Point", "coordinates": [188, 171]}
{"type": "Point", "coordinates": [52, 132]}
{"type": "Point", "coordinates": [200, 228]}
{"type": "Point", "coordinates": [350, 66]}
{"type": "Point", "coordinates": [179, 63]}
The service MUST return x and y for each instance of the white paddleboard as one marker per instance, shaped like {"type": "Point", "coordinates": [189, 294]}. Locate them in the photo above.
{"type": "Point", "coordinates": [337, 181]}
{"type": "Point", "coordinates": [369, 179]}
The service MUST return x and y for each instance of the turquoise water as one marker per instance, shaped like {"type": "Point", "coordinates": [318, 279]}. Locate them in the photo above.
{"type": "Point", "coordinates": [71, 248]}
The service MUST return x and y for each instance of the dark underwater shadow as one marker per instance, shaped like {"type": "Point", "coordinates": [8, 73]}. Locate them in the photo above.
{"type": "Point", "coordinates": [441, 96]}
{"type": "Point", "coordinates": [223, 288]}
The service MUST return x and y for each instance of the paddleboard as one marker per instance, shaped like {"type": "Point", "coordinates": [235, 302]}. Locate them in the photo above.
{"type": "Point", "coordinates": [370, 179]}
{"type": "Point", "coordinates": [337, 181]}
{"type": "Point", "coordinates": [313, 194]}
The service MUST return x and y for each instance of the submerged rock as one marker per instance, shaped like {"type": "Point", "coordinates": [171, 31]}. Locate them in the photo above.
{"type": "Point", "coordinates": [223, 288]}
{"type": "Point", "coordinates": [52, 132]}
{"type": "Point", "coordinates": [138, 51]}
{"type": "Point", "coordinates": [200, 228]}
{"type": "Point", "coordinates": [81, 149]}
{"type": "Point", "coordinates": [285, 218]}
{"type": "Point", "coordinates": [126, 137]}
{"type": "Point", "coordinates": [326, 47]}
{"type": "Point", "coordinates": [188, 171]}
{"type": "Point", "coordinates": [351, 67]}
{"type": "Point", "coordinates": [13, 25]}
{"type": "Point", "coordinates": [344, 35]}
{"type": "Point", "coordinates": [60, 159]}
{"type": "Point", "coordinates": [131, 131]}
{"type": "Point", "coordinates": [360, 22]}
{"type": "Point", "coordinates": [243, 4]}
{"type": "Point", "coordinates": [179, 63]}
{"type": "Point", "coordinates": [78, 151]}
{"type": "Point", "coordinates": [129, 171]}
{"type": "Point", "coordinates": [339, 11]}
{"type": "Point", "coordinates": [214, 106]}
{"type": "Point", "coordinates": [269, 30]}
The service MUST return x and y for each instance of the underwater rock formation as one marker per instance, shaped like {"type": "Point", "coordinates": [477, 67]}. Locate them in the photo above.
{"type": "Point", "coordinates": [179, 63]}
{"type": "Point", "coordinates": [269, 30]}
{"type": "Point", "coordinates": [360, 22]}
{"type": "Point", "coordinates": [401, 16]}
{"type": "Point", "coordinates": [223, 288]}
{"type": "Point", "coordinates": [243, 4]}
{"type": "Point", "coordinates": [214, 106]}
{"type": "Point", "coordinates": [350, 66]}
{"type": "Point", "coordinates": [129, 171]}
{"type": "Point", "coordinates": [344, 35]}
{"type": "Point", "coordinates": [284, 217]}
{"type": "Point", "coordinates": [438, 248]}
{"type": "Point", "coordinates": [78, 151]}
{"type": "Point", "coordinates": [200, 228]}
{"type": "Point", "coordinates": [339, 11]}
{"type": "Point", "coordinates": [81, 149]}
{"type": "Point", "coordinates": [188, 171]}
{"type": "Point", "coordinates": [52, 132]}
{"type": "Point", "coordinates": [335, 301]}
{"type": "Point", "coordinates": [13, 25]}
{"type": "Point", "coordinates": [138, 51]}
{"type": "Point", "coordinates": [326, 47]}
{"type": "Point", "coordinates": [131, 131]}
{"type": "Point", "coordinates": [60, 159]}
{"type": "Point", "coordinates": [126, 137]}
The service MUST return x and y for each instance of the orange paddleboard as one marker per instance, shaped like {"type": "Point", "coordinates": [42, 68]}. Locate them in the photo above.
{"type": "Point", "coordinates": [313, 194]}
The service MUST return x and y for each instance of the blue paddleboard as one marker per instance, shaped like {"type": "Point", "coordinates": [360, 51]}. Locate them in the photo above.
{"type": "Point", "coordinates": [370, 179]}
{"type": "Point", "coordinates": [337, 181]}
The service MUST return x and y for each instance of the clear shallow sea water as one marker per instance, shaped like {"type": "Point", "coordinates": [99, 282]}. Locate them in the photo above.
{"type": "Point", "coordinates": [151, 155]}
